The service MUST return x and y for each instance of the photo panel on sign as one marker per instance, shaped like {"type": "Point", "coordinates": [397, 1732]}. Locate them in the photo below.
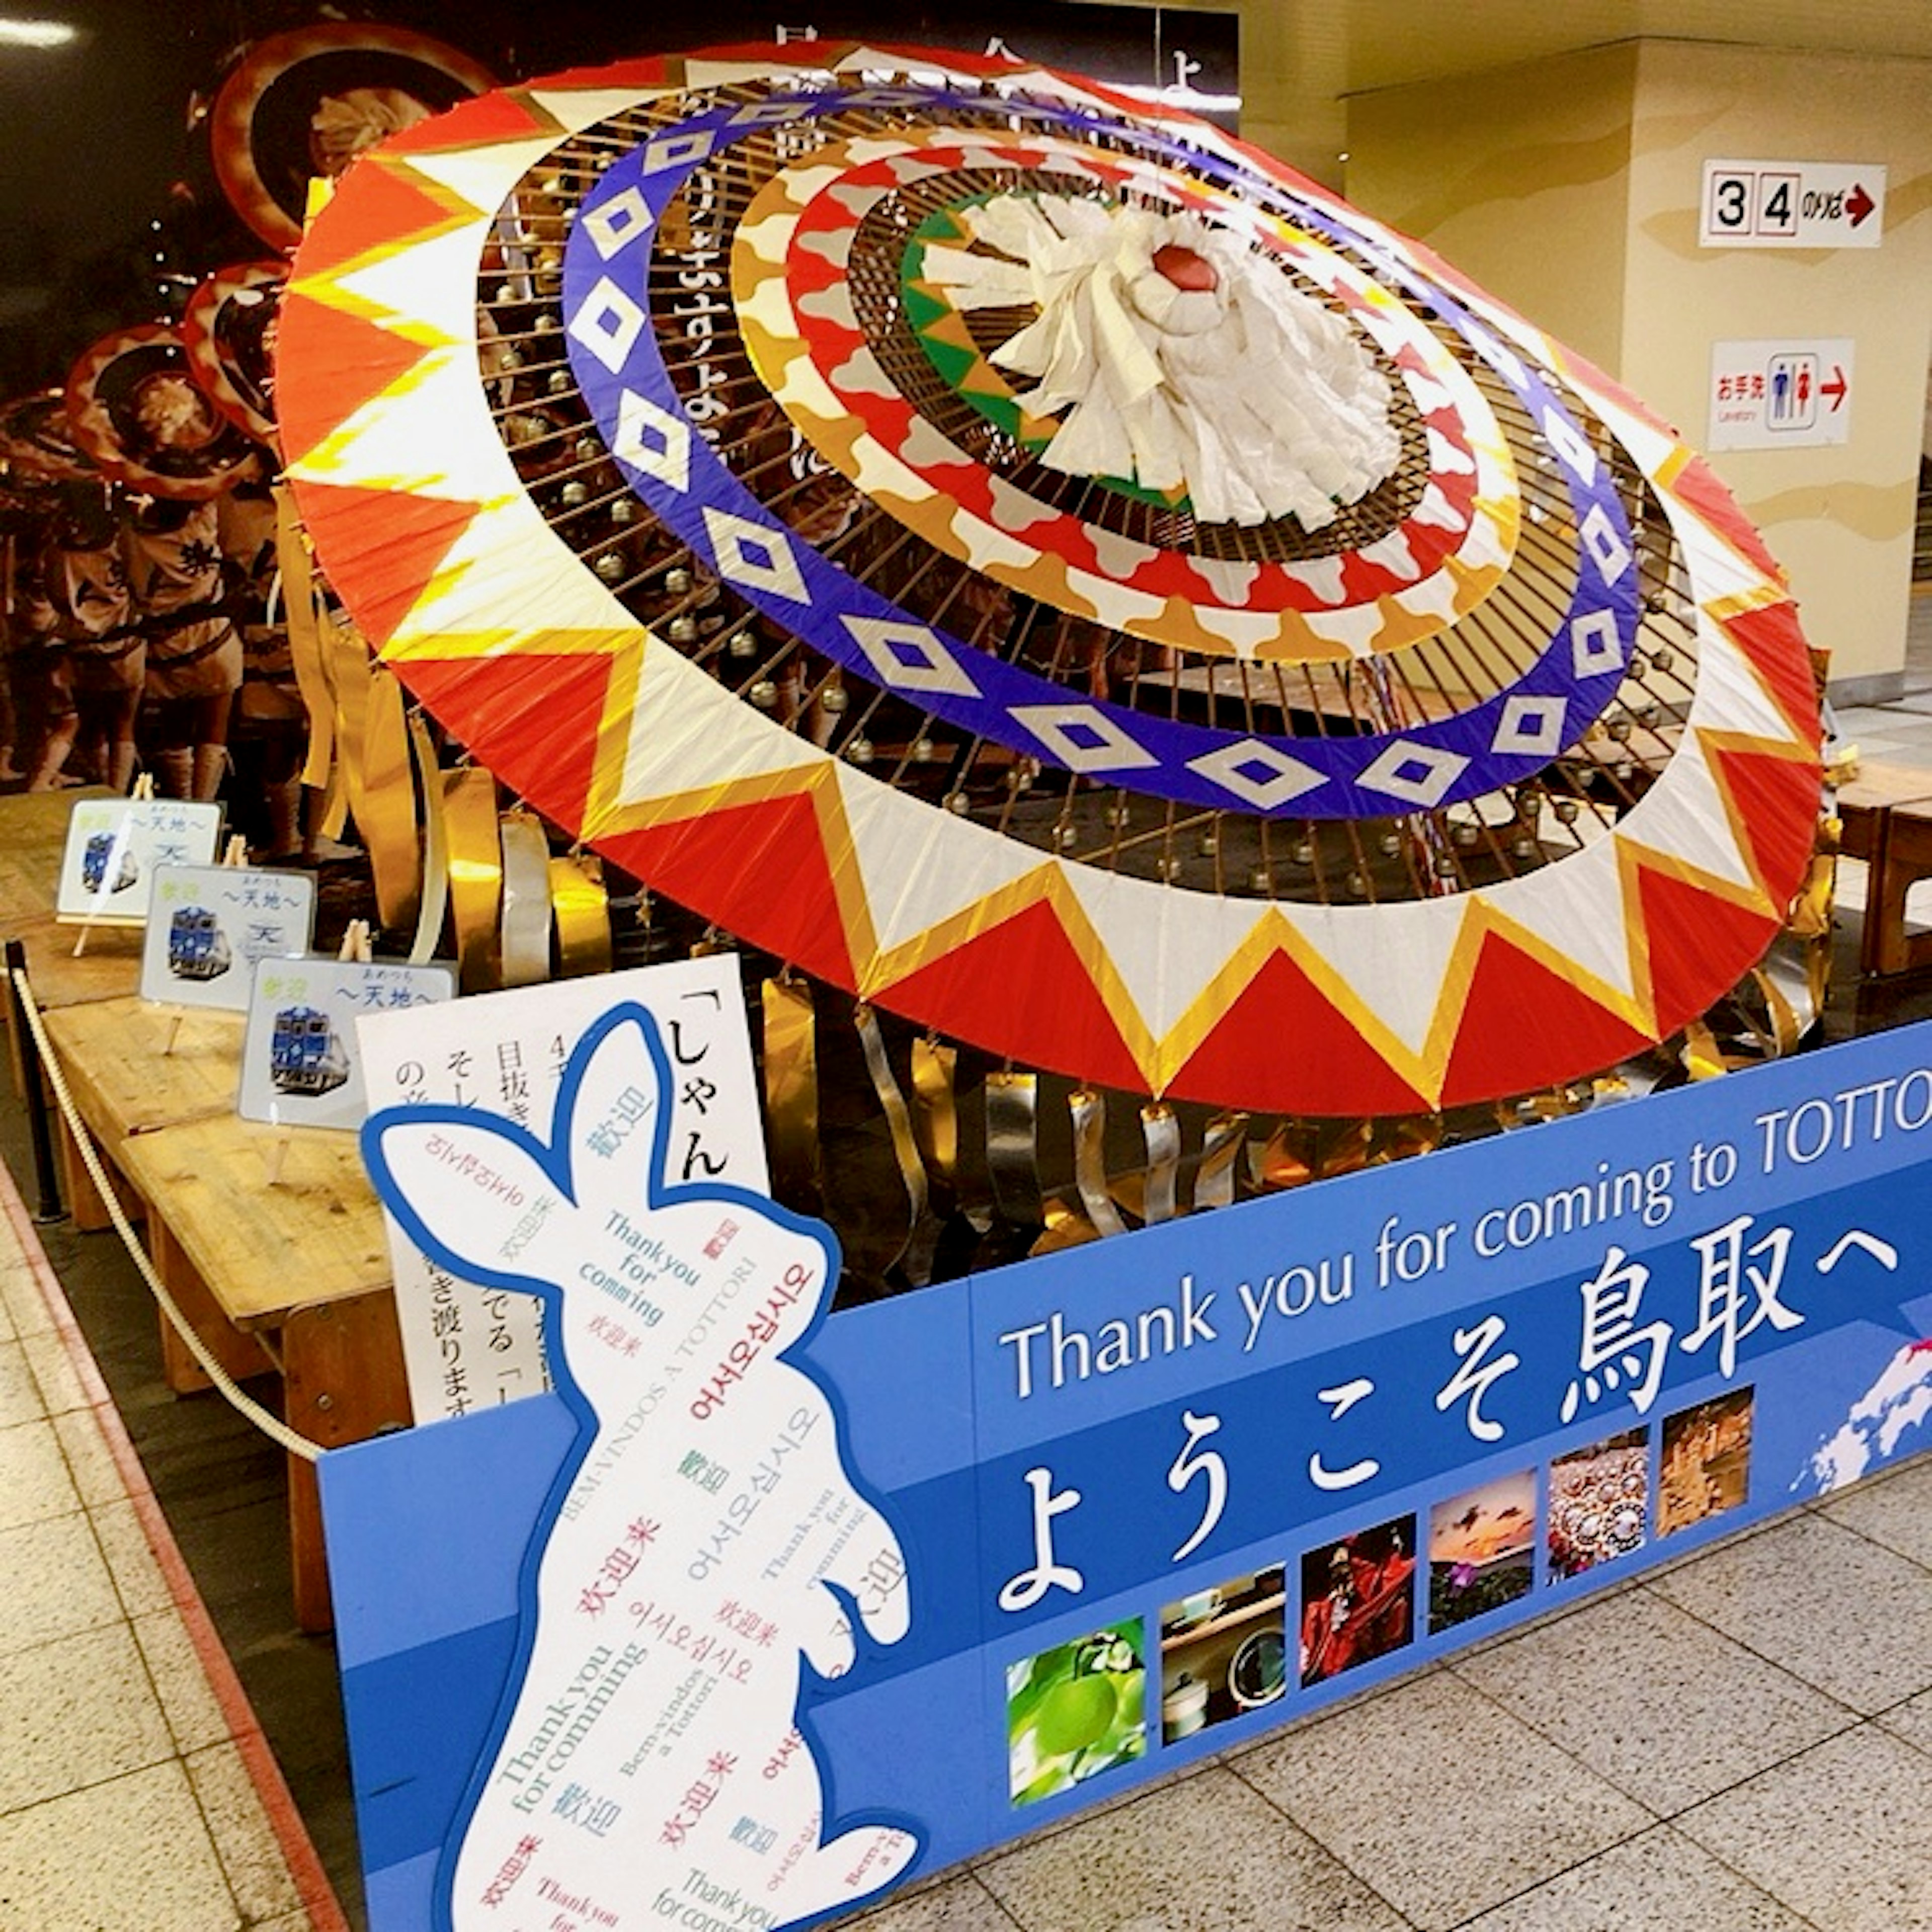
{"type": "Point", "coordinates": [301, 1066]}
{"type": "Point", "coordinates": [207, 925]}
{"type": "Point", "coordinates": [1704, 1463]}
{"type": "Point", "coordinates": [113, 847]}
{"type": "Point", "coordinates": [1482, 1549]}
{"type": "Point", "coordinates": [1223, 1652]}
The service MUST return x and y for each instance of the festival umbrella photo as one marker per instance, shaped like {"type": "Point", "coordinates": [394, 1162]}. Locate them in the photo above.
{"type": "Point", "coordinates": [38, 447]}
{"type": "Point", "coordinates": [136, 412]}
{"type": "Point", "coordinates": [228, 327]}
{"type": "Point", "coordinates": [305, 104]}
{"type": "Point", "coordinates": [1028, 559]}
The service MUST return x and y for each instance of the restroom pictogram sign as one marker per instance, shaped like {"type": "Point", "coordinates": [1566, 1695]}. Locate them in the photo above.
{"type": "Point", "coordinates": [1780, 393]}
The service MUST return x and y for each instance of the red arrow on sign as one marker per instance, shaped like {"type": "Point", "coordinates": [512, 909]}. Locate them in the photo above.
{"type": "Point", "coordinates": [1835, 388]}
{"type": "Point", "coordinates": [1859, 204]}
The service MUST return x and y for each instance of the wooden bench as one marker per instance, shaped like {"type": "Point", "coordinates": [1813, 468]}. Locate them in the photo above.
{"type": "Point", "coordinates": [1886, 813]}
{"type": "Point", "coordinates": [271, 1241]}
{"type": "Point", "coordinates": [1905, 857]}
{"type": "Point", "coordinates": [131, 1067]}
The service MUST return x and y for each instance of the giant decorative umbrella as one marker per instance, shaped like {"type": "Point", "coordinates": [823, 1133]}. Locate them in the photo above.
{"type": "Point", "coordinates": [1035, 561]}
{"type": "Point", "coordinates": [135, 409]}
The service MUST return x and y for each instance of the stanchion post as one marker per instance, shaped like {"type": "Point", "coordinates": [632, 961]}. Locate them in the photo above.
{"type": "Point", "coordinates": [46, 1176]}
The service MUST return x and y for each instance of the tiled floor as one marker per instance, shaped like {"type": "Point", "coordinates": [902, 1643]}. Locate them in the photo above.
{"type": "Point", "coordinates": [135, 1792]}
{"type": "Point", "coordinates": [1740, 1742]}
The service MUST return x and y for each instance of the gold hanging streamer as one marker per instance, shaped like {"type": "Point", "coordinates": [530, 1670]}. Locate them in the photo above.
{"type": "Point", "coordinates": [335, 796]}
{"type": "Point", "coordinates": [1810, 922]}
{"type": "Point", "coordinates": [302, 606]}
{"type": "Point", "coordinates": [386, 816]}
{"type": "Point", "coordinates": [791, 1091]}
{"type": "Point", "coordinates": [525, 924]}
{"type": "Point", "coordinates": [372, 766]}
{"type": "Point", "coordinates": [435, 844]}
{"type": "Point", "coordinates": [922, 1231]}
{"type": "Point", "coordinates": [935, 1111]}
{"type": "Point", "coordinates": [1811, 910]}
{"type": "Point", "coordinates": [1089, 1110]}
{"type": "Point", "coordinates": [1012, 1145]}
{"type": "Point", "coordinates": [581, 910]}
{"type": "Point", "coordinates": [1064, 1229]}
{"type": "Point", "coordinates": [1702, 1057]}
{"type": "Point", "coordinates": [1783, 979]}
{"type": "Point", "coordinates": [1160, 1192]}
{"type": "Point", "coordinates": [1286, 1159]}
{"type": "Point", "coordinates": [1220, 1150]}
{"type": "Point", "coordinates": [347, 659]}
{"type": "Point", "coordinates": [475, 873]}
{"type": "Point", "coordinates": [1818, 972]}
{"type": "Point", "coordinates": [1402, 1139]}
{"type": "Point", "coordinates": [1349, 1152]}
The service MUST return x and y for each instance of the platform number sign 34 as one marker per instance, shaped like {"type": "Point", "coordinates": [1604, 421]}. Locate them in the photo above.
{"type": "Point", "coordinates": [1792, 204]}
{"type": "Point", "coordinates": [1752, 204]}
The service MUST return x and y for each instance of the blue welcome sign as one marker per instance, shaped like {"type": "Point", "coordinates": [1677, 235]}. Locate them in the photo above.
{"type": "Point", "coordinates": [762, 1613]}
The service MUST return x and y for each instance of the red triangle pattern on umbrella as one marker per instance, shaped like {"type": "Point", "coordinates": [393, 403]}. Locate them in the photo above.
{"type": "Point", "coordinates": [1323, 1064]}
{"type": "Point", "coordinates": [388, 211]}
{"type": "Point", "coordinates": [497, 698]}
{"type": "Point", "coordinates": [1685, 929]}
{"type": "Point", "coordinates": [1773, 641]}
{"type": "Point", "coordinates": [502, 115]}
{"type": "Point", "coordinates": [1516, 1005]}
{"type": "Point", "coordinates": [1769, 796]}
{"type": "Point", "coordinates": [1697, 485]}
{"type": "Point", "coordinates": [399, 540]}
{"type": "Point", "coordinates": [1026, 960]}
{"type": "Point", "coordinates": [367, 360]}
{"type": "Point", "coordinates": [776, 846]}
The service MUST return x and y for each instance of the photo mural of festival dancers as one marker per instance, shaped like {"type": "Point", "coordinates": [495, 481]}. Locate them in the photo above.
{"type": "Point", "coordinates": [144, 624]}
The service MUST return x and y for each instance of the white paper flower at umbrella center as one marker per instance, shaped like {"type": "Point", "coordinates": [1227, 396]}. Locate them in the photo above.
{"type": "Point", "coordinates": [1177, 357]}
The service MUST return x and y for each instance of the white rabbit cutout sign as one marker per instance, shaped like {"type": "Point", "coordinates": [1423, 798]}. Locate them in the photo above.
{"type": "Point", "coordinates": [704, 1545]}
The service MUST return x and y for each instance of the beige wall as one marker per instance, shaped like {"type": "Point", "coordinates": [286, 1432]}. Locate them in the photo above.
{"type": "Point", "coordinates": [1570, 188]}
{"type": "Point", "coordinates": [1292, 54]}
{"type": "Point", "coordinates": [1839, 519]}
{"type": "Point", "coordinates": [1520, 177]}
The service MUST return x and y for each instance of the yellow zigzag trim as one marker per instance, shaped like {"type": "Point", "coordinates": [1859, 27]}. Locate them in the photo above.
{"type": "Point", "coordinates": [327, 285]}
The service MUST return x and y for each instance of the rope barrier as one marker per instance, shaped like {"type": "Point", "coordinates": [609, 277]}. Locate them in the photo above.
{"type": "Point", "coordinates": [270, 1425]}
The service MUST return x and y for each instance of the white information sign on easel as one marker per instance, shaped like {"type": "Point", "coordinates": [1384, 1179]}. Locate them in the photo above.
{"type": "Point", "coordinates": [207, 925]}
{"type": "Point", "coordinates": [113, 847]}
{"type": "Point", "coordinates": [466, 1347]}
{"type": "Point", "coordinates": [300, 1064]}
